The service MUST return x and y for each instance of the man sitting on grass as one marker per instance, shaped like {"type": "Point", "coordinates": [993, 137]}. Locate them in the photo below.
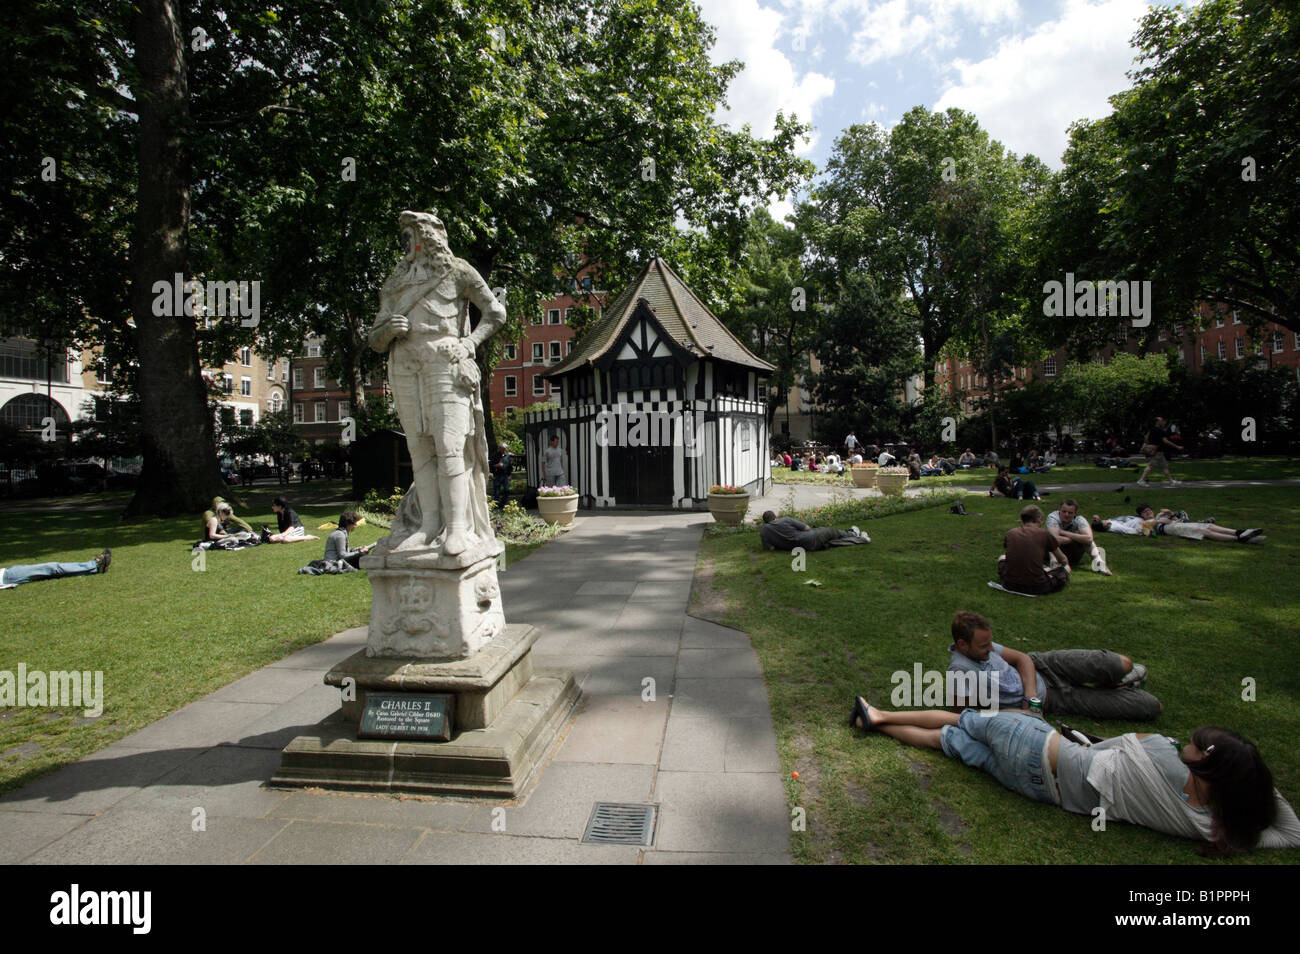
{"type": "Point", "coordinates": [1075, 536]}
{"type": "Point", "coordinates": [786, 533]}
{"type": "Point", "coordinates": [1096, 683]}
{"type": "Point", "coordinates": [1023, 568]}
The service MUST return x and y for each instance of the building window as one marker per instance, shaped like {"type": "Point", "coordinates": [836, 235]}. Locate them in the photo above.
{"type": "Point", "coordinates": [284, 375]}
{"type": "Point", "coordinates": [1123, 333]}
{"type": "Point", "coordinates": [344, 409]}
{"type": "Point", "coordinates": [1296, 344]}
{"type": "Point", "coordinates": [555, 388]}
{"type": "Point", "coordinates": [568, 315]}
{"type": "Point", "coordinates": [297, 413]}
{"type": "Point", "coordinates": [270, 370]}
{"type": "Point", "coordinates": [318, 378]}
{"type": "Point", "coordinates": [555, 351]}
{"type": "Point", "coordinates": [586, 283]}
{"type": "Point", "coordinates": [1223, 350]}
{"type": "Point", "coordinates": [539, 319]}
{"type": "Point", "coordinates": [1218, 322]}
{"type": "Point", "coordinates": [246, 356]}
{"type": "Point", "coordinates": [511, 352]}
{"type": "Point", "coordinates": [538, 352]}
{"type": "Point", "coordinates": [246, 417]}
{"type": "Point", "coordinates": [1049, 367]}
{"type": "Point", "coordinates": [512, 385]}
{"type": "Point", "coordinates": [276, 402]}
{"type": "Point", "coordinates": [1202, 354]}
{"type": "Point", "coordinates": [228, 383]}
{"type": "Point", "coordinates": [553, 316]}
{"type": "Point", "coordinates": [568, 346]}
{"type": "Point", "coordinates": [1235, 319]}
{"type": "Point", "coordinates": [320, 412]}
{"type": "Point", "coordinates": [313, 350]}
{"type": "Point", "coordinates": [297, 379]}
{"type": "Point", "coordinates": [762, 390]}
{"type": "Point", "coordinates": [1241, 346]}
{"type": "Point", "coordinates": [1163, 335]}
{"type": "Point", "coordinates": [1278, 340]}
{"type": "Point", "coordinates": [246, 386]}
{"type": "Point", "coordinates": [539, 385]}
{"type": "Point", "coordinates": [102, 373]}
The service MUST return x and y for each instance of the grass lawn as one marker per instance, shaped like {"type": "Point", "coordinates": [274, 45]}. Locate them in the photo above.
{"type": "Point", "coordinates": [1202, 616]}
{"type": "Point", "coordinates": [163, 633]}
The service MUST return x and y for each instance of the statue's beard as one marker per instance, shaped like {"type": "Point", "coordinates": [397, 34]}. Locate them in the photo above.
{"type": "Point", "coordinates": [424, 268]}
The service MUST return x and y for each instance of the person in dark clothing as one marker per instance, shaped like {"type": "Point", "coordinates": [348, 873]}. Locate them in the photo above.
{"type": "Point", "coordinates": [1007, 486]}
{"type": "Point", "coordinates": [502, 468]}
{"type": "Point", "coordinates": [1029, 547]}
{"type": "Point", "coordinates": [336, 544]}
{"type": "Point", "coordinates": [786, 533]}
{"type": "Point", "coordinates": [291, 528]}
{"type": "Point", "coordinates": [1156, 448]}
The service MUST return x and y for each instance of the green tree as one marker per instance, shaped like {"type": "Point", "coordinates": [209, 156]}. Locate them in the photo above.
{"type": "Point", "coordinates": [1119, 398]}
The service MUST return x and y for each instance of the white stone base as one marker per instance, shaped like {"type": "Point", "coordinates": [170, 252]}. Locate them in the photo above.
{"type": "Point", "coordinates": [422, 611]}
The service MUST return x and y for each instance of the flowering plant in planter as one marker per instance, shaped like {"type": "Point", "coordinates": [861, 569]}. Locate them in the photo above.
{"type": "Point", "coordinates": [727, 489]}
{"type": "Point", "coordinates": [864, 466]}
{"type": "Point", "coordinates": [893, 470]}
{"type": "Point", "coordinates": [564, 491]}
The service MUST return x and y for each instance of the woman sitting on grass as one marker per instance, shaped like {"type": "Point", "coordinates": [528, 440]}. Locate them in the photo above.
{"type": "Point", "coordinates": [218, 520]}
{"type": "Point", "coordinates": [291, 528]}
{"type": "Point", "coordinates": [1217, 789]}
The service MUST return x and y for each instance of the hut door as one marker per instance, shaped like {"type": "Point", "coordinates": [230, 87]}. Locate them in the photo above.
{"type": "Point", "coordinates": [641, 476]}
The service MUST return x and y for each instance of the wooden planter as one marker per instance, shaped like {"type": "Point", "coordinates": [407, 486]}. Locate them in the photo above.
{"type": "Point", "coordinates": [864, 476]}
{"type": "Point", "coordinates": [729, 508]}
{"type": "Point", "coordinates": [559, 510]}
{"type": "Point", "coordinates": [891, 484]}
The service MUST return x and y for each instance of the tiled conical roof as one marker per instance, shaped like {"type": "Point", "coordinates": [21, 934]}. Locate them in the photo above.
{"type": "Point", "coordinates": [683, 316]}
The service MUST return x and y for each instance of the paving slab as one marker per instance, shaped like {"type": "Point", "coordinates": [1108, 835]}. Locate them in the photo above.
{"type": "Point", "coordinates": [158, 838]}
{"type": "Point", "coordinates": [616, 729]}
{"type": "Point", "coordinates": [334, 843]}
{"type": "Point", "coordinates": [729, 812]}
{"type": "Point", "coordinates": [561, 803]}
{"type": "Point", "coordinates": [478, 849]}
{"type": "Point", "coordinates": [98, 781]}
{"type": "Point", "coordinates": [223, 781]}
{"type": "Point", "coordinates": [719, 664]}
{"type": "Point", "coordinates": [714, 858]}
{"type": "Point", "coordinates": [24, 833]}
{"type": "Point", "coordinates": [397, 811]}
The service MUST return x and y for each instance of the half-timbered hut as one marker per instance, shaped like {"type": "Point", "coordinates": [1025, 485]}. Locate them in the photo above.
{"type": "Point", "coordinates": [658, 402]}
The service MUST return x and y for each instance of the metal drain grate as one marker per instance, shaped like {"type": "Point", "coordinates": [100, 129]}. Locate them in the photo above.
{"type": "Point", "coordinates": [614, 824]}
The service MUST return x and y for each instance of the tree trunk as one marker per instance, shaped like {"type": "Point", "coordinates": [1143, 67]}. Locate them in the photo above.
{"type": "Point", "coordinates": [486, 360]}
{"type": "Point", "coordinates": [180, 472]}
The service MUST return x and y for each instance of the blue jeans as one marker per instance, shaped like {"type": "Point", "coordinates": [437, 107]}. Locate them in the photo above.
{"type": "Point", "coordinates": [29, 573]}
{"type": "Point", "coordinates": [1009, 746]}
{"type": "Point", "coordinates": [501, 489]}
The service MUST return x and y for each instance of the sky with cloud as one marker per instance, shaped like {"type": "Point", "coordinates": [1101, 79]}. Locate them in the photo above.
{"type": "Point", "coordinates": [1025, 68]}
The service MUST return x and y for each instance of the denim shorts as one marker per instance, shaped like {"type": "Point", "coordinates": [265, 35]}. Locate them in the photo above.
{"type": "Point", "coordinates": [1009, 746]}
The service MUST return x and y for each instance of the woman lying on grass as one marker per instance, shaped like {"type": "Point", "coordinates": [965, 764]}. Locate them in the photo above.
{"type": "Point", "coordinates": [1217, 789]}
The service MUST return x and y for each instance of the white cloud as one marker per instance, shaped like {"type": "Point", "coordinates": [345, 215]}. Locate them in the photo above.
{"type": "Point", "coordinates": [1031, 87]}
{"type": "Point", "coordinates": [747, 31]}
{"type": "Point", "coordinates": [888, 29]}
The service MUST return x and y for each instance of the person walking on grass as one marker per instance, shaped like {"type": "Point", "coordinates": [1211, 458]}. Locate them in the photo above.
{"type": "Point", "coordinates": [1216, 789]}
{"type": "Point", "coordinates": [1157, 447]}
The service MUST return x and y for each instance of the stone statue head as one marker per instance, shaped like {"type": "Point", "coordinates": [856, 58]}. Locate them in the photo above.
{"type": "Point", "coordinates": [424, 234]}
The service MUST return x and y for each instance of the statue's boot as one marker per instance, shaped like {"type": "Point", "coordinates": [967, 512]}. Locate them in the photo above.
{"type": "Point", "coordinates": [456, 505]}
{"type": "Point", "coordinates": [427, 492]}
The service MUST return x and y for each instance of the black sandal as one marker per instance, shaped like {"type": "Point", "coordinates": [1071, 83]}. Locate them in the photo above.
{"type": "Point", "coordinates": [860, 711]}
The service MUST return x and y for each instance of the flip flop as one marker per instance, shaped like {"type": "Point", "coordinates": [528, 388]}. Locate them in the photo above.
{"type": "Point", "coordinates": [860, 711]}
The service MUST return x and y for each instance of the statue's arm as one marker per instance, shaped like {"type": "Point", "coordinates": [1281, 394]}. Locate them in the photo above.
{"type": "Point", "coordinates": [386, 327]}
{"type": "Point", "coordinates": [494, 313]}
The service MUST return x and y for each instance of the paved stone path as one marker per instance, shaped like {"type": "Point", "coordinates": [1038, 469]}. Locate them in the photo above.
{"type": "Point", "coordinates": [610, 600]}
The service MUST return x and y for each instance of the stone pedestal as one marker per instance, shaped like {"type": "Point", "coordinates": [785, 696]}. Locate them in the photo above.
{"type": "Point", "coordinates": [427, 605]}
{"type": "Point", "coordinates": [506, 717]}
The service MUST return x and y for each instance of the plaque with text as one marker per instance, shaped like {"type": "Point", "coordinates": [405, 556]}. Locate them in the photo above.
{"type": "Point", "coordinates": [407, 715]}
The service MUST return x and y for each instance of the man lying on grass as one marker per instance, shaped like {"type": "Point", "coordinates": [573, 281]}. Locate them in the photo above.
{"type": "Point", "coordinates": [1091, 682]}
{"type": "Point", "coordinates": [786, 533]}
{"type": "Point", "coordinates": [1217, 789]}
{"type": "Point", "coordinates": [1173, 523]}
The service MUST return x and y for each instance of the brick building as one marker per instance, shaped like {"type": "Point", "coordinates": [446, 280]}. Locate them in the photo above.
{"type": "Point", "coordinates": [320, 403]}
{"type": "Point", "coordinates": [517, 380]}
